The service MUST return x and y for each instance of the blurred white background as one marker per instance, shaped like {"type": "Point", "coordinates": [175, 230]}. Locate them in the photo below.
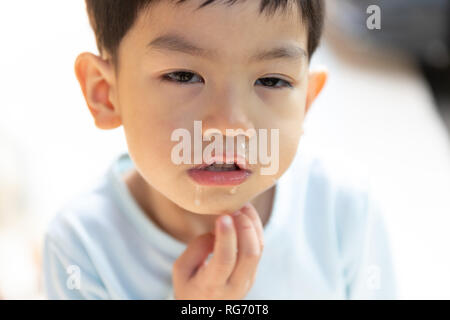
{"type": "Point", "coordinates": [44, 113]}
{"type": "Point", "coordinates": [376, 109]}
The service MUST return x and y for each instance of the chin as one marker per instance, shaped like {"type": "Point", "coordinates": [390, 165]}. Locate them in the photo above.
{"type": "Point", "coordinates": [213, 209]}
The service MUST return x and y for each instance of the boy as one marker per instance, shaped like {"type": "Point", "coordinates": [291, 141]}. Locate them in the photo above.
{"type": "Point", "coordinates": [220, 228]}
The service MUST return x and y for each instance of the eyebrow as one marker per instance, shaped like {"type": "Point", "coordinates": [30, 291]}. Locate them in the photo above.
{"type": "Point", "coordinates": [177, 43]}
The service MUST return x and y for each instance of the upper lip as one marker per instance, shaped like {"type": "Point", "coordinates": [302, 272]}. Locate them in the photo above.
{"type": "Point", "coordinates": [239, 161]}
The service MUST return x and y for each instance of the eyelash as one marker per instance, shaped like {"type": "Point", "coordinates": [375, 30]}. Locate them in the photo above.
{"type": "Point", "coordinates": [167, 77]}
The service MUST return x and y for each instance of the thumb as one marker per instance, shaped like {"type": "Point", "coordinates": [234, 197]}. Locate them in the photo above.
{"type": "Point", "coordinates": [193, 257]}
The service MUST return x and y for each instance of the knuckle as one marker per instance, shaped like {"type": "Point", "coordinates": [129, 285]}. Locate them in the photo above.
{"type": "Point", "coordinates": [252, 254]}
{"type": "Point", "coordinates": [225, 264]}
{"type": "Point", "coordinates": [246, 285]}
{"type": "Point", "coordinates": [245, 223]}
{"type": "Point", "coordinates": [211, 290]}
{"type": "Point", "coordinates": [252, 215]}
{"type": "Point", "coordinates": [246, 226]}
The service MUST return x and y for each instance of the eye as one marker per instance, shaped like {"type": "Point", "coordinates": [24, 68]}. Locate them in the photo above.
{"type": "Point", "coordinates": [275, 83]}
{"type": "Point", "coordinates": [182, 77]}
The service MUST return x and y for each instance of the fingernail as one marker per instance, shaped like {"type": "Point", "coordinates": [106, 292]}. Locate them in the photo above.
{"type": "Point", "coordinates": [226, 221]}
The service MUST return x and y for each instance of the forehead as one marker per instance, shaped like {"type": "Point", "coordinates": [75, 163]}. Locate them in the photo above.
{"type": "Point", "coordinates": [232, 30]}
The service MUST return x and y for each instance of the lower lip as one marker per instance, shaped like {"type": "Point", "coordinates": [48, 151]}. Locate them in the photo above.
{"type": "Point", "coordinates": [219, 178]}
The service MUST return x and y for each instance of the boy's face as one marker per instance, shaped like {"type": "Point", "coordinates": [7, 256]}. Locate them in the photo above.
{"type": "Point", "coordinates": [225, 89]}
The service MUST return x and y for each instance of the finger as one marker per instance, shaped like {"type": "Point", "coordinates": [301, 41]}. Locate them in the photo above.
{"type": "Point", "coordinates": [251, 212]}
{"type": "Point", "coordinates": [193, 257]}
{"type": "Point", "coordinates": [248, 251]}
{"type": "Point", "coordinates": [224, 256]}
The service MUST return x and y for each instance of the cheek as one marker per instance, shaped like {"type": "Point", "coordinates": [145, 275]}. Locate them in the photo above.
{"type": "Point", "coordinates": [288, 148]}
{"type": "Point", "coordinates": [148, 136]}
{"type": "Point", "coordinates": [289, 136]}
{"type": "Point", "coordinates": [295, 105]}
{"type": "Point", "coordinates": [284, 111]}
{"type": "Point", "coordinates": [151, 142]}
{"type": "Point", "coordinates": [289, 122]}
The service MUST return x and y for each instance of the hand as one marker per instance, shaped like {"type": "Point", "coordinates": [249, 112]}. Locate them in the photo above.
{"type": "Point", "coordinates": [231, 271]}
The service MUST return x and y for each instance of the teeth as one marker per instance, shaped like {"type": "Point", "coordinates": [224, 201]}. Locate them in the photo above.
{"type": "Point", "coordinates": [222, 167]}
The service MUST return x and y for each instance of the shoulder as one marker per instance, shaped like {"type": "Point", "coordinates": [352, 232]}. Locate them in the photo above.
{"type": "Point", "coordinates": [335, 174]}
{"type": "Point", "coordinates": [341, 196]}
{"type": "Point", "coordinates": [70, 246]}
{"type": "Point", "coordinates": [337, 188]}
{"type": "Point", "coordinates": [85, 215]}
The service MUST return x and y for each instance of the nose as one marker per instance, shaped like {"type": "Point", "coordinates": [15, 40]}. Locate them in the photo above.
{"type": "Point", "coordinates": [228, 119]}
{"type": "Point", "coordinates": [228, 110]}
{"type": "Point", "coordinates": [228, 114]}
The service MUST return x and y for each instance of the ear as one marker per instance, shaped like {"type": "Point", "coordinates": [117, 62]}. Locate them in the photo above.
{"type": "Point", "coordinates": [316, 82]}
{"type": "Point", "coordinates": [97, 81]}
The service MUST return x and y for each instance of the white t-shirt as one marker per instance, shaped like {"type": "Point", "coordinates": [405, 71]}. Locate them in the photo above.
{"type": "Point", "coordinates": [325, 239]}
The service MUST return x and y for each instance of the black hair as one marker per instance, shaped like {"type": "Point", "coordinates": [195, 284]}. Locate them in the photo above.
{"type": "Point", "coordinates": [111, 19]}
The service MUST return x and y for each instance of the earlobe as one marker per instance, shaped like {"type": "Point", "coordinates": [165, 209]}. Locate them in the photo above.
{"type": "Point", "coordinates": [96, 81]}
{"type": "Point", "coordinates": [316, 82]}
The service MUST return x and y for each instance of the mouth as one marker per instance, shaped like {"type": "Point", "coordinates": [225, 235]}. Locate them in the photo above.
{"type": "Point", "coordinates": [220, 174]}
{"type": "Point", "coordinates": [217, 167]}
